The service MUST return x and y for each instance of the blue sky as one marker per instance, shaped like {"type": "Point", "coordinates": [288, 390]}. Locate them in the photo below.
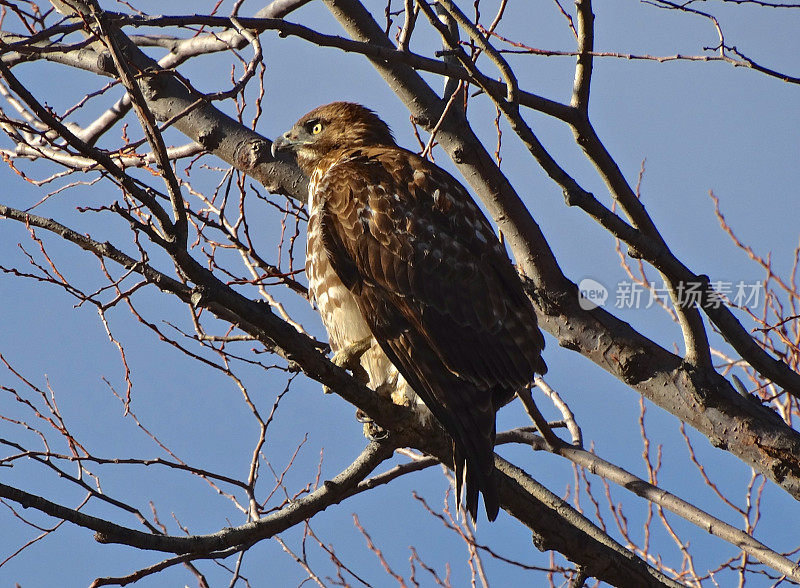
{"type": "Point", "coordinates": [698, 127]}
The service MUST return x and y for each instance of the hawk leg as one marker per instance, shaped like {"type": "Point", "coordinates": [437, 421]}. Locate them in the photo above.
{"type": "Point", "coordinates": [349, 358]}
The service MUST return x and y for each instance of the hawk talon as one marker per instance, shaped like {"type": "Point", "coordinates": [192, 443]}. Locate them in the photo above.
{"type": "Point", "coordinates": [375, 433]}
{"type": "Point", "coordinates": [362, 417]}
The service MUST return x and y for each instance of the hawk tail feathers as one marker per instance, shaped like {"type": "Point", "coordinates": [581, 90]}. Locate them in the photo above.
{"type": "Point", "coordinates": [470, 482]}
{"type": "Point", "coordinates": [474, 477]}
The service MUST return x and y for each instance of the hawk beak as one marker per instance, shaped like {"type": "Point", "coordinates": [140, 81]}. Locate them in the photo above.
{"type": "Point", "coordinates": [281, 144]}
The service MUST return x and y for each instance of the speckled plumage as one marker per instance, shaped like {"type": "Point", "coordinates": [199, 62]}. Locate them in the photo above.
{"type": "Point", "coordinates": [398, 249]}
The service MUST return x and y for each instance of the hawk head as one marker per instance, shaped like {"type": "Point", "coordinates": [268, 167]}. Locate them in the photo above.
{"type": "Point", "coordinates": [331, 127]}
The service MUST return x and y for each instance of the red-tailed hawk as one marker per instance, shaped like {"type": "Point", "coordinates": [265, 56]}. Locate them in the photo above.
{"type": "Point", "coordinates": [398, 251]}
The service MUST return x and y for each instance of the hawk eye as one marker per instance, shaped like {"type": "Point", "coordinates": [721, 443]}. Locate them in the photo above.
{"type": "Point", "coordinates": [316, 129]}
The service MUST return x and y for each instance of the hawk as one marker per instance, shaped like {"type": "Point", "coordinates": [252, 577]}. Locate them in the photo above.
{"type": "Point", "coordinates": [400, 255]}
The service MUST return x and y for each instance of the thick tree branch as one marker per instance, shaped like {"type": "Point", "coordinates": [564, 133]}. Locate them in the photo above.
{"type": "Point", "coordinates": [539, 509]}
{"type": "Point", "coordinates": [649, 245]}
{"type": "Point", "coordinates": [546, 514]}
{"type": "Point", "coordinates": [329, 493]}
{"type": "Point", "coordinates": [661, 497]}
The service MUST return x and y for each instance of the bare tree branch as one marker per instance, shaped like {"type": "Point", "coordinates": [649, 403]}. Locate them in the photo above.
{"type": "Point", "coordinates": [682, 508]}
{"type": "Point", "coordinates": [331, 492]}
